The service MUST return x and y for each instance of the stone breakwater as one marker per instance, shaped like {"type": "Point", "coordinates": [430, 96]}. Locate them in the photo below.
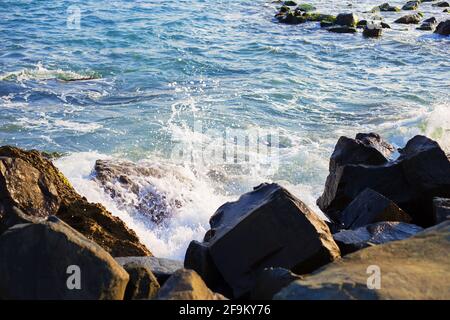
{"type": "Point", "coordinates": [294, 13]}
{"type": "Point", "coordinates": [388, 209]}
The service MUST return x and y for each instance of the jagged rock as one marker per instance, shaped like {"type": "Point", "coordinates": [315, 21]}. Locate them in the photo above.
{"type": "Point", "coordinates": [409, 19]}
{"type": "Point", "coordinates": [370, 207]}
{"type": "Point", "coordinates": [31, 183]}
{"type": "Point", "coordinates": [428, 24]}
{"type": "Point", "coordinates": [411, 5]}
{"type": "Point", "coordinates": [386, 7]}
{"type": "Point", "coordinates": [378, 233]}
{"type": "Point", "coordinates": [347, 19]}
{"type": "Point", "coordinates": [129, 184]}
{"type": "Point", "coordinates": [267, 227]}
{"type": "Point", "coordinates": [371, 31]}
{"type": "Point", "coordinates": [441, 209]}
{"type": "Point", "coordinates": [443, 28]}
{"type": "Point", "coordinates": [270, 281]}
{"type": "Point", "coordinates": [420, 173]}
{"type": "Point", "coordinates": [161, 268]}
{"type": "Point", "coordinates": [41, 260]}
{"type": "Point", "coordinates": [413, 269]}
{"type": "Point", "coordinates": [441, 4]}
{"type": "Point", "coordinates": [186, 284]}
{"type": "Point", "coordinates": [142, 284]}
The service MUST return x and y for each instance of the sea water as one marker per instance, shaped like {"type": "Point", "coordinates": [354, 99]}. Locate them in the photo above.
{"type": "Point", "coordinates": [131, 80]}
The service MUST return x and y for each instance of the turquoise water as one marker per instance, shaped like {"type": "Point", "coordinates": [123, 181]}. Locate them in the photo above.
{"type": "Point", "coordinates": [156, 68]}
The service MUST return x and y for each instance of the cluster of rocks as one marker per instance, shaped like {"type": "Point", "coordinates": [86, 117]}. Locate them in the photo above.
{"type": "Point", "coordinates": [268, 244]}
{"type": "Point", "coordinates": [292, 13]}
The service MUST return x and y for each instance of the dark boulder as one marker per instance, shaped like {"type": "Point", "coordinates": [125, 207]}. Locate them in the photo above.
{"type": "Point", "coordinates": [378, 233]}
{"type": "Point", "coordinates": [411, 5]}
{"type": "Point", "coordinates": [441, 209]}
{"type": "Point", "coordinates": [186, 284]}
{"type": "Point", "coordinates": [384, 25]}
{"type": "Point", "coordinates": [267, 227]}
{"type": "Point", "coordinates": [421, 173]}
{"type": "Point", "coordinates": [443, 28]}
{"type": "Point", "coordinates": [347, 19]}
{"type": "Point", "coordinates": [428, 24]}
{"type": "Point", "coordinates": [416, 268]}
{"type": "Point", "coordinates": [372, 31]}
{"type": "Point", "coordinates": [409, 19]}
{"type": "Point", "coordinates": [370, 207]}
{"type": "Point", "coordinates": [270, 281]}
{"type": "Point", "coordinates": [343, 29]}
{"type": "Point", "coordinates": [31, 183]}
{"type": "Point", "coordinates": [290, 3]}
{"type": "Point", "coordinates": [361, 24]}
{"type": "Point", "coordinates": [441, 4]}
{"type": "Point", "coordinates": [50, 260]}
{"type": "Point", "coordinates": [161, 268]}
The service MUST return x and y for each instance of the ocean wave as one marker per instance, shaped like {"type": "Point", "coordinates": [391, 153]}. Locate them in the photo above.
{"type": "Point", "coordinates": [40, 73]}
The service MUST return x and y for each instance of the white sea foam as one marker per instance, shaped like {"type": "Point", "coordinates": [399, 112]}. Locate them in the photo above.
{"type": "Point", "coordinates": [42, 73]}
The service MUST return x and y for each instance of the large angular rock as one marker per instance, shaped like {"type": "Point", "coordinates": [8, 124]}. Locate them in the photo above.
{"type": "Point", "coordinates": [186, 284]}
{"type": "Point", "coordinates": [443, 28]}
{"type": "Point", "coordinates": [441, 209]}
{"type": "Point", "coordinates": [162, 268]}
{"type": "Point", "coordinates": [370, 207]}
{"type": "Point", "coordinates": [31, 183]}
{"type": "Point", "coordinates": [270, 281]}
{"type": "Point", "coordinates": [413, 269]}
{"type": "Point", "coordinates": [378, 233]}
{"type": "Point", "coordinates": [421, 173]}
{"type": "Point", "coordinates": [267, 227]}
{"type": "Point", "coordinates": [43, 260]}
{"type": "Point", "coordinates": [142, 284]}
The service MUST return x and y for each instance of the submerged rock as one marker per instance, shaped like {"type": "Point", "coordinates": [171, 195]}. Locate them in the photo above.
{"type": "Point", "coordinates": [378, 233]}
{"type": "Point", "coordinates": [161, 268]}
{"type": "Point", "coordinates": [441, 209]}
{"type": "Point", "coordinates": [411, 5]}
{"type": "Point", "coordinates": [409, 19]}
{"type": "Point", "coordinates": [413, 269]}
{"type": "Point", "coordinates": [267, 227]}
{"type": "Point", "coordinates": [131, 186]}
{"type": "Point", "coordinates": [370, 207]}
{"type": "Point", "coordinates": [142, 284]}
{"type": "Point", "coordinates": [50, 260]}
{"type": "Point", "coordinates": [443, 28]}
{"type": "Point", "coordinates": [428, 24]}
{"type": "Point", "coordinates": [441, 4]}
{"type": "Point", "coordinates": [32, 184]}
{"type": "Point", "coordinates": [343, 29]}
{"type": "Point", "coordinates": [186, 284]}
{"type": "Point", "coordinates": [421, 173]}
{"type": "Point", "coordinates": [386, 7]}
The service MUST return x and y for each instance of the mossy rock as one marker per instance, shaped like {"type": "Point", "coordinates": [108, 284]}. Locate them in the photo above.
{"type": "Point", "coordinates": [306, 7]}
{"type": "Point", "coordinates": [290, 3]}
{"type": "Point", "coordinates": [320, 17]}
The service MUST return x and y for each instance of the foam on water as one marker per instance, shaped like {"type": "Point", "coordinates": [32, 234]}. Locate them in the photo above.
{"type": "Point", "coordinates": [41, 73]}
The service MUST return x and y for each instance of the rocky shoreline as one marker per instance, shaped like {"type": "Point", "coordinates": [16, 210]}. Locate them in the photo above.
{"type": "Point", "coordinates": [388, 209]}
{"type": "Point", "coordinates": [295, 13]}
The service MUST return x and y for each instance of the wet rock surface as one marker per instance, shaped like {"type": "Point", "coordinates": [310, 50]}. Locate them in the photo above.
{"type": "Point", "coordinates": [31, 183]}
